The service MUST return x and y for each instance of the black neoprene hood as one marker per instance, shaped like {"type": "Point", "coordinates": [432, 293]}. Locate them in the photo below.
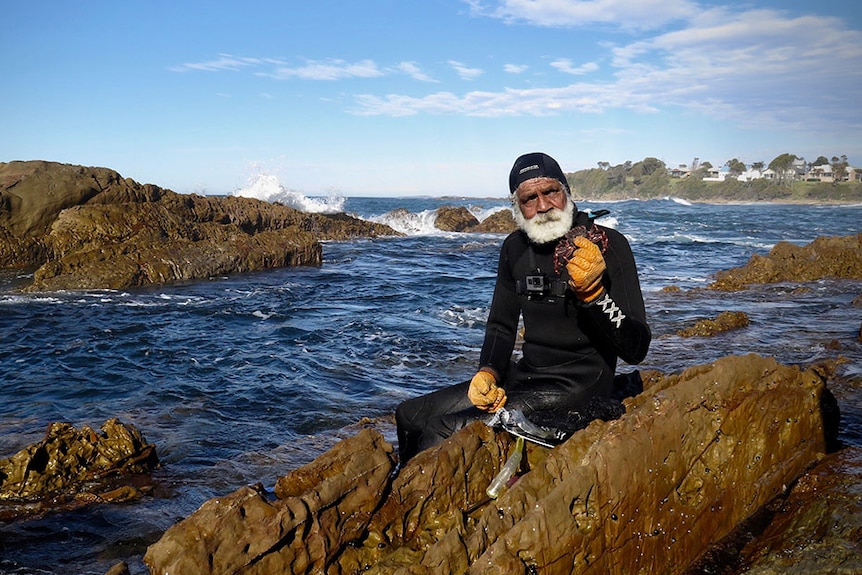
{"type": "Point", "coordinates": [535, 165]}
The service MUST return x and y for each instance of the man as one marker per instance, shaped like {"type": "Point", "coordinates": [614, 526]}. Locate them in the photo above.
{"type": "Point", "coordinates": [580, 315]}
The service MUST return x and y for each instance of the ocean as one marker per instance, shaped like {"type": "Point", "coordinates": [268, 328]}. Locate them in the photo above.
{"type": "Point", "coordinates": [239, 379]}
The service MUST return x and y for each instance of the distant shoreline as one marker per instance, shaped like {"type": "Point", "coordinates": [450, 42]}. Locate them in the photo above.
{"type": "Point", "coordinates": [789, 201]}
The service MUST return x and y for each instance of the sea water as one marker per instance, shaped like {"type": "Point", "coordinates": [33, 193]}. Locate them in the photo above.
{"type": "Point", "coordinates": [239, 379]}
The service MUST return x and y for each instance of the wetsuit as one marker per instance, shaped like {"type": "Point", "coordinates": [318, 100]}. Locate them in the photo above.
{"type": "Point", "coordinates": [570, 348]}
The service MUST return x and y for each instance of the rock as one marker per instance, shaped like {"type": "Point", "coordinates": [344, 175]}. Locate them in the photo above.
{"type": "Point", "coordinates": [451, 219]}
{"type": "Point", "coordinates": [818, 525]}
{"type": "Point", "coordinates": [69, 467]}
{"type": "Point", "coordinates": [121, 568]}
{"type": "Point", "coordinates": [500, 222]}
{"type": "Point", "coordinates": [321, 508]}
{"type": "Point", "coordinates": [835, 257]}
{"type": "Point", "coordinates": [726, 320]}
{"type": "Point", "coordinates": [694, 455]}
{"type": "Point", "coordinates": [90, 228]}
{"type": "Point", "coordinates": [814, 528]}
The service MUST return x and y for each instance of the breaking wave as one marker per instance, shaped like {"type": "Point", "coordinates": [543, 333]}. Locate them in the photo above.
{"type": "Point", "coordinates": [268, 188]}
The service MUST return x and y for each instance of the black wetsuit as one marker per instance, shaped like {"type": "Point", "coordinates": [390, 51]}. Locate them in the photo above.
{"type": "Point", "coordinates": [570, 348]}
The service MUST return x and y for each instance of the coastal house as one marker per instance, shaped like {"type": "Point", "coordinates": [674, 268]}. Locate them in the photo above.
{"type": "Point", "coordinates": [821, 173]}
{"type": "Point", "coordinates": [799, 170]}
{"type": "Point", "coordinates": [714, 174]}
{"type": "Point", "coordinates": [681, 171]}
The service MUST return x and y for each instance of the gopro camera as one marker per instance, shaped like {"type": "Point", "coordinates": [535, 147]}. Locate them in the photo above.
{"type": "Point", "coordinates": [537, 285]}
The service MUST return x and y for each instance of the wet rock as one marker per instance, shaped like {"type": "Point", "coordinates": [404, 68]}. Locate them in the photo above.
{"type": "Point", "coordinates": [500, 222]}
{"type": "Point", "coordinates": [320, 509]}
{"type": "Point", "coordinates": [69, 468]}
{"type": "Point", "coordinates": [813, 528]}
{"type": "Point", "coordinates": [121, 568]}
{"type": "Point", "coordinates": [725, 321]}
{"type": "Point", "coordinates": [694, 455]}
{"type": "Point", "coordinates": [818, 527]}
{"type": "Point", "coordinates": [451, 219]}
{"type": "Point", "coordinates": [90, 228]}
{"type": "Point", "coordinates": [834, 257]}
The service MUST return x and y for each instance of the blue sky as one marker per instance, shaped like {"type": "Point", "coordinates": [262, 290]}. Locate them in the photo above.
{"type": "Point", "coordinates": [432, 97]}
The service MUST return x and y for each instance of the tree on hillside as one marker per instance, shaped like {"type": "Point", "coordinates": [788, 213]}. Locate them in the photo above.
{"type": "Point", "coordinates": [735, 166]}
{"type": "Point", "coordinates": [757, 166]}
{"type": "Point", "coordinates": [783, 166]}
{"type": "Point", "coordinates": [604, 165]}
{"type": "Point", "coordinates": [820, 161]}
{"type": "Point", "coordinates": [650, 165]}
{"type": "Point", "coordinates": [839, 168]}
{"type": "Point", "coordinates": [644, 168]}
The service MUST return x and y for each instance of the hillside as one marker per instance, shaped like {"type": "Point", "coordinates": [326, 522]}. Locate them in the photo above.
{"type": "Point", "coordinates": [598, 184]}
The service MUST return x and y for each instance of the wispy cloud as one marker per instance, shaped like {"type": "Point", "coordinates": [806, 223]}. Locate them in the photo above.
{"type": "Point", "coordinates": [223, 62]}
{"type": "Point", "coordinates": [587, 98]}
{"type": "Point", "coordinates": [465, 72]}
{"type": "Point", "coordinates": [328, 69]}
{"type": "Point", "coordinates": [754, 67]}
{"type": "Point", "coordinates": [640, 14]}
{"type": "Point", "coordinates": [515, 68]}
{"type": "Point", "coordinates": [414, 71]}
{"type": "Point", "coordinates": [565, 65]}
{"type": "Point", "coordinates": [332, 69]}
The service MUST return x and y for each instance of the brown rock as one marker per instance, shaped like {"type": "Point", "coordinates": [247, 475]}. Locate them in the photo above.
{"type": "Point", "coordinates": [836, 257]}
{"type": "Point", "coordinates": [121, 568]}
{"type": "Point", "coordinates": [451, 219]}
{"type": "Point", "coordinates": [500, 222]}
{"type": "Point", "coordinates": [52, 474]}
{"type": "Point", "coordinates": [90, 228]}
{"type": "Point", "coordinates": [816, 527]}
{"type": "Point", "coordinates": [320, 509]}
{"type": "Point", "coordinates": [725, 321]}
{"type": "Point", "coordinates": [695, 454]}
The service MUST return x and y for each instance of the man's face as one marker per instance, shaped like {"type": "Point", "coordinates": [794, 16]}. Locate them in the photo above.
{"type": "Point", "coordinates": [539, 196]}
{"type": "Point", "coordinates": [543, 209]}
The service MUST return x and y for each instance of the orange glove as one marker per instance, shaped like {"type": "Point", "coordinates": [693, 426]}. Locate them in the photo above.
{"type": "Point", "coordinates": [586, 269]}
{"type": "Point", "coordinates": [484, 392]}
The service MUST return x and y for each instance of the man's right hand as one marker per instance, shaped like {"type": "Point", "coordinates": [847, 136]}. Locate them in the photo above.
{"type": "Point", "coordinates": [484, 392]}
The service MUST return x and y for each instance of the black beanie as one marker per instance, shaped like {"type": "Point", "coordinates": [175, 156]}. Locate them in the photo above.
{"type": "Point", "coordinates": [535, 165]}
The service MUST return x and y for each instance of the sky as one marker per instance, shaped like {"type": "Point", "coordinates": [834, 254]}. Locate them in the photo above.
{"type": "Point", "coordinates": [422, 97]}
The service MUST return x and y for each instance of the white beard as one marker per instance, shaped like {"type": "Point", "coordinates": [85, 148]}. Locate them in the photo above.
{"type": "Point", "coordinates": [547, 227]}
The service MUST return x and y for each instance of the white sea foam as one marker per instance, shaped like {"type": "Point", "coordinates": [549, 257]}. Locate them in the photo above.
{"type": "Point", "coordinates": [679, 201]}
{"type": "Point", "coordinates": [268, 188]}
{"type": "Point", "coordinates": [410, 223]}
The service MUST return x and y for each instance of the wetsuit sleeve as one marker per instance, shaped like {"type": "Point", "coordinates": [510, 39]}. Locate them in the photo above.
{"type": "Point", "coordinates": [618, 315]}
{"type": "Point", "coordinates": [503, 318]}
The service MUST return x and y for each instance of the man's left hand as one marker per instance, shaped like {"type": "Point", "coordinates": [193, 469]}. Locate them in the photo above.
{"type": "Point", "coordinates": [586, 268]}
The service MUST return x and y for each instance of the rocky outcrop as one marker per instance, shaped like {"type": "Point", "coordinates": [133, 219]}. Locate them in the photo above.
{"type": "Point", "coordinates": [90, 228]}
{"type": "Point", "coordinates": [825, 257]}
{"type": "Point", "coordinates": [500, 222]}
{"type": "Point", "coordinates": [451, 219]}
{"type": "Point", "coordinates": [694, 454]}
{"type": "Point", "coordinates": [817, 528]}
{"type": "Point", "coordinates": [725, 321]}
{"type": "Point", "coordinates": [69, 468]}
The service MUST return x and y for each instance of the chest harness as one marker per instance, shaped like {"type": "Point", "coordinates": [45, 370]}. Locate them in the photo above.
{"type": "Point", "coordinates": [536, 285]}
